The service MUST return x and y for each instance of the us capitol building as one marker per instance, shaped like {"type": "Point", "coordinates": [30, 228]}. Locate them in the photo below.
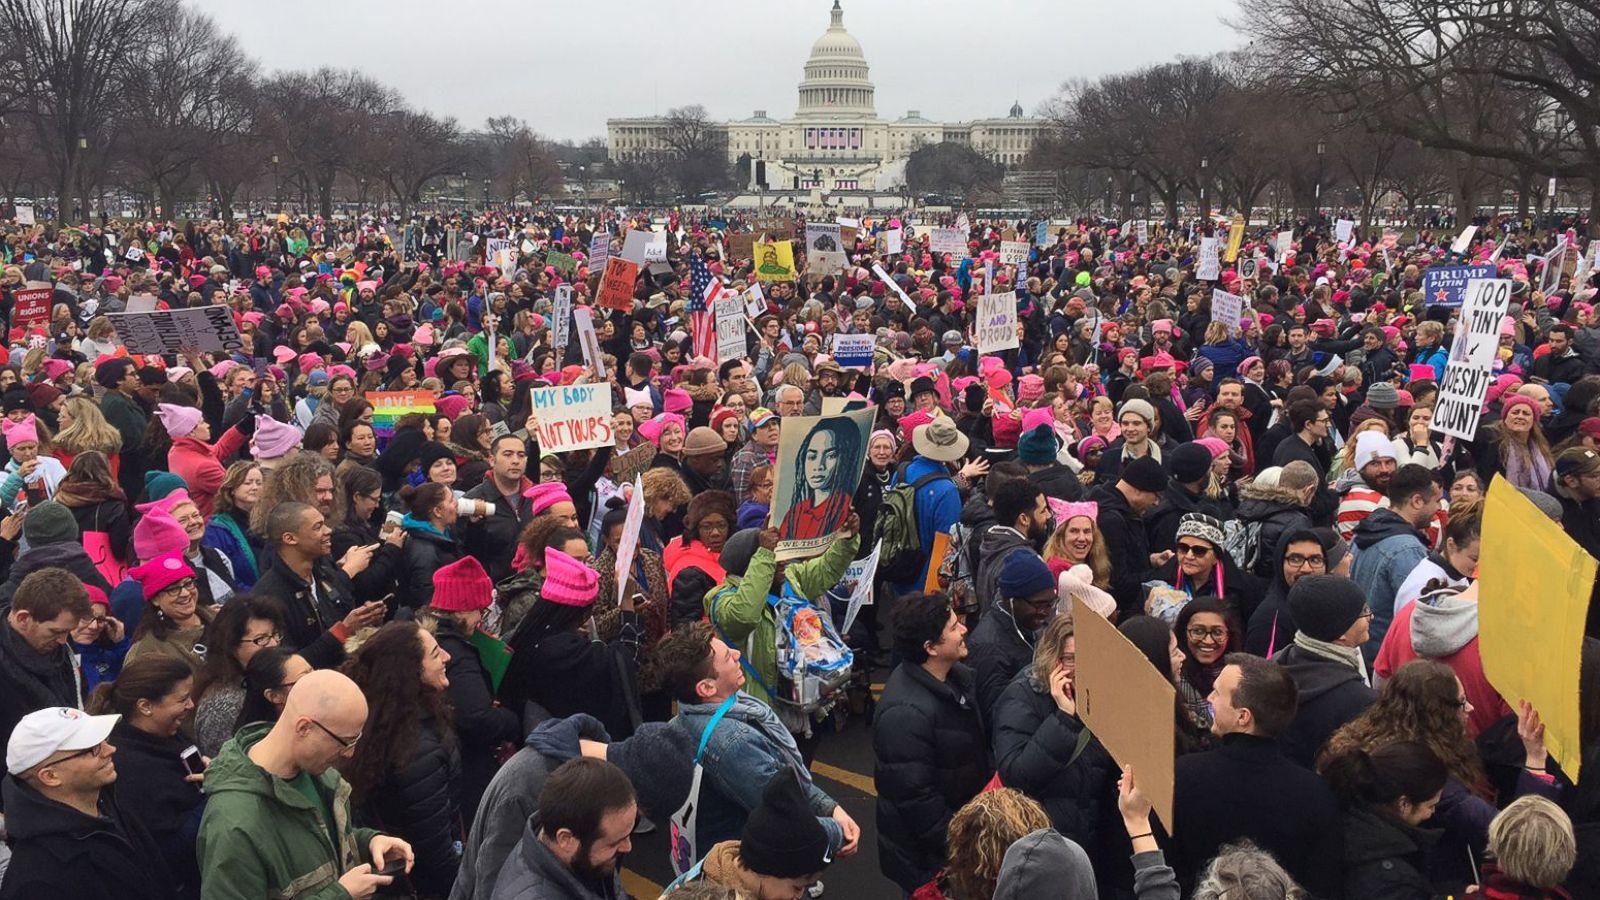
{"type": "Point", "coordinates": [835, 143]}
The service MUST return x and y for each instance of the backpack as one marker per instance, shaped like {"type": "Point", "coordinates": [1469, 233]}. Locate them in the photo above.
{"type": "Point", "coordinates": [813, 661]}
{"type": "Point", "coordinates": [1242, 540]}
{"type": "Point", "coordinates": [902, 556]}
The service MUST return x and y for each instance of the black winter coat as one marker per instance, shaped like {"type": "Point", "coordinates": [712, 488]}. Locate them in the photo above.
{"type": "Point", "coordinates": [58, 852]}
{"type": "Point", "coordinates": [493, 540]}
{"type": "Point", "coordinates": [1033, 741]}
{"type": "Point", "coordinates": [1245, 788]}
{"type": "Point", "coordinates": [1331, 695]}
{"type": "Point", "coordinates": [111, 517]}
{"type": "Point", "coordinates": [482, 724]}
{"type": "Point", "coordinates": [150, 787]}
{"type": "Point", "coordinates": [417, 803]}
{"type": "Point", "coordinates": [1384, 857]}
{"type": "Point", "coordinates": [308, 617]}
{"type": "Point", "coordinates": [1278, 511]}
{"type": "Point", "coordinates": [1161, 523]}
{"type": "Point", "coordinates": [1127, 544]}
{"type": "Point", "coordinates": [1059, 482]}
{"type": "Point", "coordinates": [71, 557]}
{"type": "Point", "coordinates": [931, 758]}
{"type": "Point", "coordinates": [996, 652]}
{"type": "Point", "coordinates": [566, 673]}
{"type": "Point", "coordinates": [423, 554]}
{"type": "Point", "coordinates": [377, 580]}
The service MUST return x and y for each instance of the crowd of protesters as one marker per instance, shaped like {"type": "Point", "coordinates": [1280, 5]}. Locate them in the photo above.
{"type": "Point", "coordinates": [261, 640]}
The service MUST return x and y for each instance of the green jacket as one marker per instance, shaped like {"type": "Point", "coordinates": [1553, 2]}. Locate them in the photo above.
{"type": "Point", "coordinates": [260, 838]}
{"type": "Point", "coordinates": [738, 607]}
{"type": "Point", "coordinates": [478, 346]}
{"type": "Point", "coordinates": [125, 416]}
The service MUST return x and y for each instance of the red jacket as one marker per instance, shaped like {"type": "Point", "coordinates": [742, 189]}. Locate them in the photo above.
{"type": "Point", "coordinates": [200, 465]}
{"type": "Point", "coordinates": [1488, 707]}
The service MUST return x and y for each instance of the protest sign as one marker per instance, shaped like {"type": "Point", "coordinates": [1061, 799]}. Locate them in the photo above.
{"type": "Point", "coordinates": [588, 341]}
{"type": "Point", "coordinates": [1208, 267]}
{"type": "Point", "coordinates": [565, 263]}
{"type": "Point", "coordinates": [32, 305]}
{"type": "Point", "coordinates": [774, 261]}
{"type": "Point", "coordinates": [497, 253]}
{"type": "Point", "coordinates": [572, 417]}
{"type": "Point", "coordinates": [1535, 581]}
{"type": "Point", "coordinates": [730, 328]}
{"type": "Point", "coordinates": [561, 319]}
{"type": "Point", "coordinates": [628, 544]}
{"type": "Point", "coordinates": [641, 246]}
{"type": "Point", "coordinates": [997, 322]}
{"type": "Point", "coordinates": [1550, 272]}
{"type": "Point", "coordinates": [205, 328]}
{"type": "Point", "coordinates": [1014, 253]}
{"type": "Point", "coordinates": [616, 287]}
{"type": "Point", "coordinates": [1235, 239]}
{"type": "Point", "coordinates": [893, 242]}
{"type": "Point", "coordinates": [1343, 230]}
{"type": "Point", "coordinates": [1463, 240]}
{"type": "Point", "coordinates": [1126, 704]}
{"type": "Point", "coordinates": [819, 465]}
{"type": "Point", "coordinates": [1444, 285]}
{"type": "Point", "coordinates": [1041, 233]}
{"type": "Point", "coordinates": [948, 240]}
{"type": "Point", "coordinates": [1285, 246]}
{"type": "Point", "coordinates": [1228, 309]}
{"type": "Point", "coordinates": [892, 284]}
{"type": "Point", "coordinates": [1248, 267]}
{"type": "Point", "coordinates": [1141, 231]}
{"type": "Point", "coordinates": [852, 350]}
{"type": "Point", "coordinates": [778, 228]}
{"type": "Point", "coordinates": [855, 588]}
{"type": "Point", "coordinates": [389, 406]}
{"type": "Point", "coordinates": [1471, 366]}
{"type": "Point", "coordinates": [825, 248]}
{"type": "Point", "coordinates": [25, 215]}
{"type": "Point", "coordinates": [755, 303]}
{"type": "Point", "coordinates": [599, 251]}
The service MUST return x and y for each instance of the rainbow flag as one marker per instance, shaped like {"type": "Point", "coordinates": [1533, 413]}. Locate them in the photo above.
{"type": "Point", "coordinates": [389, 406]}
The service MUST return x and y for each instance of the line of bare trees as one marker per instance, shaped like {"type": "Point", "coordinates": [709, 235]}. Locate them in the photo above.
{"type": "Point", "coordinates": [1348, 103]}
{"type": "Point", "coordinates": [150, 101]}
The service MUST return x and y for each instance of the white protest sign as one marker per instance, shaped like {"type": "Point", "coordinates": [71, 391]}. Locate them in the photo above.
{"type": "Point", "coordinates": [730, 328]}
{"type": "Point", "coordinates": [893, 285]}
{"type": "Point", "coordinates": [599, 250]}
{"type": "Point", "coordinates": [1471, 367]}
{"type": "Point", "coordinates": [205, 328]}
{"type": "Point", "coordinates": [645, 246]}
{"type": "Point", "coordinates": [948, 240]}
{"type": "Point", "coordinates": [25, 215]}
{"type": "Point", "coordinates": [997, 322]}
{"type": "Point", "coordinates": [573, 417]}
{"type": "Point", "coordinates": [755, 303]}
{"type": "Point", "coordinates": [583, 323]}
{"type": "Point", "coordinates": [497, 252]}
{"type": "Point", "coordinates": [628, 544]}
{"type": "Point", "coordinates": [1248, 267]}
{"type": "Point", "coordinates": [1550, 275]}
{"type": "Point", "coordinates": [1463, 240]}
{"type": "Point", "coordinates": [893, 242]}
{"type": "Point", "coordinates": [824, 248]}
{"type": "Point", "coordinates": [1208, 266]}
{"type": "Point", "coordinates": [1141, 231]}
{"type": "Point", "coordinates": [965, 224]}
{"type": "Point", "coordinates": [1285, 245]}
{"type": "Point", "coordinates": [856, 586]}
{"type": "Point", "coordinates": [853, 351]}
{"type": "Point", "coordinates": [1014, 253]}
{"type": "Point", "coordinates": [561, 318]}
{"type": "Point", "coordinates": [847, 222]}
{"type": "Point", "coordinates": [1343, 230]}
{"type": "Point", "coordinates": [1227, 308]}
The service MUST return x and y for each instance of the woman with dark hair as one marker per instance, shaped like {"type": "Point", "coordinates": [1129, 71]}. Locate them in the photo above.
{"type": "Point", "coordinates": [98, 505]}
{"type": "Point", "coordinates": [1207, 633]}
{"type": "Point", "coordinates": [1202, 567]}
{"type": "Point", "coordinates": [154, 786]}
{"type": "Point", "coordinates": [405, 773]}
{"type": "Point", "coordinates": [173, 623]}
{"type": "Point", "coordinates": [400, 458]}
{"type": "Point", "coordinates": [242, 628]}
{"type": "Point", "coordinates": [228, 529]}
{"type": "Point", "coordinates": [1159, 644]}
{"type": "Point", "coordinates": [363, 492]}
{"type": "Point", "coordinates": [825, 469]}
{"type": "Point", "coordinates": [470, 440]}
{"type": "Point", "coordinates": [321, 438]}
{"type": "Point", "coordinates": [1387, 794]}
{"type": "Point", "coordinates": [431, 542]}
{"type": "Point", "coordinates": [358, 443]}
{"type": "Point", "coordinates": [648, 578]}
{"type": "Point", "coordinates": [341, 393]}
{"type": "Point", "coordinates": [267, 679]}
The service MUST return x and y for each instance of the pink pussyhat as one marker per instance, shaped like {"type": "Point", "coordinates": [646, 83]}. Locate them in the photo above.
{"type": "Point", "coordinates": [568, 582]}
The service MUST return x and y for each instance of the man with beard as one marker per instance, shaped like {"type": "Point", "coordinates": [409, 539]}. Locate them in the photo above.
{"type": "Point", "coordinates": [1362, 488]}
{"type": "Point", "coordinates": [573, 846]}
{"type": "Point", "coordinates": [1022, 522]}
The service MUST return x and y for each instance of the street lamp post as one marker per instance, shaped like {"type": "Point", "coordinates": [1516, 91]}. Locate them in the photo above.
{"type": "Point", "coordinates": [1322, 149]}
{"type": "Point", "coordinates": [486, 195]}
{"type": "Point", "coordinates": [1205, 207]}
{"type": "Point", "coordinates": [277, 184]}
{"type": "Point", "coordinates": [1108, 196]}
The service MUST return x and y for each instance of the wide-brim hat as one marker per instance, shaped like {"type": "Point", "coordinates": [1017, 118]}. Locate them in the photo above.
{"type": "Point", "coordinates": [940, 440]}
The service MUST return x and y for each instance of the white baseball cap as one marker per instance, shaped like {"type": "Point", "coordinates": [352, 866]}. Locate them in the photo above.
{"type": "Point", "coordinates": [51, 730]}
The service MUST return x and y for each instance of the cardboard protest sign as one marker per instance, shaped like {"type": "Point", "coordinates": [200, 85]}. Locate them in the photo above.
{"type": "Point", "coordinates": [204, 328]}
{"type": "Point", "coordinates": [730, 328]}
{"type": "Point", "coordinates": [628, 544]}
{"type": "Point", "coordinates": [599, 250]}
{"type": "Point", "coordinates": [820, 460]}
{"type": "Point", "coordinates": [1444, 285]}
{"type": "Point", "coordinates": [1227, 308]}
{"type": "Point", "coordinates": [25, 215]}
{"type": "Point", "coordinates": [948, 240]}
{"type": "Point", "coordinates": [997, 323]}
{"type": "Point", "coordinates": [1014, 253]}
{"type": "Point", "coordinates": [1126, 704]}
{"type": "Point", "coordinates": [574, 417]}
{"type": "Point", "coordinates": [561, 318]}
{"type": "Point", "coordinates": [1235, 239]}
{"type": "Point", "coordinates": [825, 248]}
{"type": "Point", "coordinates": [389, 406]}
{"type": "Point", "coordinates": [616, 287]}
{"type": "Point", "coordinates": [855, 588]}
{"type": "Point", "coordinates": [1534, 589]}
{"type": "Point", "coordinates": [644, 246]}
{"type": "Point", "coordinates": [588, 341]}
{"type": "Point", "coordinates": [774, 261]}
{"type": "Point", "coordinates": [32, 305]}
{"type": "Point", "coordinates": [778, 228]}
{"type": "Point", "coordinates": [1208, 267]}
{"type": "Point", "coordinates": [1470, 369]}
{"type": "Point", "coordinates": [852, 350]}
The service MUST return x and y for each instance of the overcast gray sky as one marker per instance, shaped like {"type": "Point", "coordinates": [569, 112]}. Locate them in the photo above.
{"type": "Point", "coordinates": [566, 67]}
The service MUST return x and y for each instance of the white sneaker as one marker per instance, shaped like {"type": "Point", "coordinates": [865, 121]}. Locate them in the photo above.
{"type": "Point", "coordinates": [815, 890]}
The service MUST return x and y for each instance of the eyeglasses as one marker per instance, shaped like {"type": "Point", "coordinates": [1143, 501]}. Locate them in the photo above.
{"type": "Point", "coordinates": [92, 751]}
{"type": "Point", "coordinates": [183, 586]}
{"type": "Point", "coordinates": [263, 640]}
{"type": "Point", "coordinates": [1366, 614]}
{"type": "Point", "coordinates": [346, 744]}
{"type": "Point", "coordinates": [1201, 633]}
{"type": "Point", "coordinates": [1297, 561]}
{"type": "Point", "coordinates": [1193, 549]}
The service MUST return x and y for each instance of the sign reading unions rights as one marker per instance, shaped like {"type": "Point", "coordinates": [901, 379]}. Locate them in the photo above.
{"type": "Point", "coordinates": [574, 417]}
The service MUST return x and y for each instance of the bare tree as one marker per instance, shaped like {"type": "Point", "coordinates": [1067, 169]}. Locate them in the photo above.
{"type": "Point", "coordinates": [319, 121]}
{"type": "Point", "coordinates": [953, 170]}
{"type": "Point", "coordinates": [414, 148]}
{"type": "Point", "coordinates": [697, 152]}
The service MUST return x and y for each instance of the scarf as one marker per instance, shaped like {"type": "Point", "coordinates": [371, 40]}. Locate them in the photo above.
{"type": "Point", "coordinates": [1525, 468]}
{"type": "Point", "coordinates": [1350, 656]}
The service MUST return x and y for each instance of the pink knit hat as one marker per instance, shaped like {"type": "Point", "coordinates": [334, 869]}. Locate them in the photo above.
{"type": "Point", "coordinates": [567, 581]}
{"type": "Point", "coordinates": [1030, 388]}
{"type": "Point", "coordinates": [23, 432]}
{"type": "Point", "coordinates": [546, 495]}
{"type": "Point", "coordinates": [462, 586]}
{"type": "Point", "coordinates": [274, 439]}
{"type": "Point", "coordinates": [652, 428]}
{"type": "Point", "coordinates": [161, 573]}
{"type": "Point", "coordinates": [1217, 446]}
{"type": "Point", "coordinates": [451, 405]}
{"type": "Point", "coordinates": [180, 421]}
{"type": "Point", "coordinates": [55, 368]}
{"type": "Point", "coordinates": [676, 400]}
{"type": "Point", "coordinates": [158, 533]}
{"type": "Point", "coordinates": [1037, 416]}
{"type": "Point", "coordinates": [166, 504]}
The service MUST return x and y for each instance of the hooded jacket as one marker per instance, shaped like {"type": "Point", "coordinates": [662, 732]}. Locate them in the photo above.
{"type": "Point", "coordinates": [1387, 548]}
{"type": "Point", "coordinates": [997, 543]}
{"type": "Point", "coordinates": [996, 652]}
{"type": "Point", "coordinates": [1271, 627]}
{"type": "Point", "coordinates": [69, 556]}
{"type": "Point", "coordinates": [1045, 864]}
{"type": "Point", "coordinates": [532, 872]}
{"type": "Point", "coordinates": [1161, 523]}
{"type": "Point", "coordinates": [261, 837]}
{"type": "Point", "coordinates": [1443, 626]}
{"type": "Point", "coordinates": [1033, 743]}
{"type": "Point", "coordinates": [1331, 694]}
{"type": "Point", "coordinates": [1128, 546]}
{"type": "Point", "coordinates": [1278, 511]}
{"type": "Point", "coordinates": [30, 680]}
{"type": "Point", "coordinates": [57, 851]}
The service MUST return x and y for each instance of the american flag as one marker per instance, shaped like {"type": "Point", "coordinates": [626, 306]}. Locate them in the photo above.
{"type": "Point", "coordinates": [705, 289]}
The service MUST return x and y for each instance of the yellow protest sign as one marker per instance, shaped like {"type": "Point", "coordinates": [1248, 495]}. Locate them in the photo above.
{"type": "Point", "coordinates": [1533, 598]}
{"type": "Point", "coordinates": [1235, 238]}
{"type": "Point", "coordinates": [774, 261]}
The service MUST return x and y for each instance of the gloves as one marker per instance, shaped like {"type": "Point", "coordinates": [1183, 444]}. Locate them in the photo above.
{"type": "Point", "coordinates": [247, 425]}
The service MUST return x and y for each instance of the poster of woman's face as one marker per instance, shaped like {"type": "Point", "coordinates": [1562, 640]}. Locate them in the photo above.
{"type": "Point", "coordinates": [820, 459]}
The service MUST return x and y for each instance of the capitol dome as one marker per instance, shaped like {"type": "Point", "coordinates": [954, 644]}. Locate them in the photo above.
{"type": "Point", "coordinates": [836, 83]}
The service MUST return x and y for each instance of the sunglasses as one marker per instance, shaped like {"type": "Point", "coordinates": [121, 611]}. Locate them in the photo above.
{"type": "Point", "coordinates": [1196, 550]}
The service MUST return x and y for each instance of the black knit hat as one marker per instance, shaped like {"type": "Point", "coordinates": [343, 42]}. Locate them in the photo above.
{"type": "Point", "coordinates": [1190, 462]}
{"type": "Point", "coordinates": [1145, 474]}
{"type": "Point", "coordinates": [16, 399]}
{"type": "Point", "coordinates": [782, 838]}
{"type": "Point", "coordinates": [1325, 606]}
{"type": "Point", "coordinates": [430, 453]}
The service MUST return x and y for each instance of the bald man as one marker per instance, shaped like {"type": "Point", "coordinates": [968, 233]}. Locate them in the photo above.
{"type": "Point", "coordinates": [277, 823]}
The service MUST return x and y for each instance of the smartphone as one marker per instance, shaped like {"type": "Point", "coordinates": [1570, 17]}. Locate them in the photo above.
{"type": "Point", "coordinates": [191, 760]}
{"type": "Point", "coordinates": [394, 867]}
